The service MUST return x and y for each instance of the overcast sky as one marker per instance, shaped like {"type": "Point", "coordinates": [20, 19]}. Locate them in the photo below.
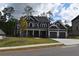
{"type": "Point", "coordinates": [60, 11]}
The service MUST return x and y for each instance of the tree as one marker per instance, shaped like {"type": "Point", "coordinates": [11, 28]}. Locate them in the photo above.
{"type": "Point", "coordinates": [43, 14]}
{"type": "Point", "coordinates": [11, 26]}
{"type": "Point", "coordinates": [28, 10]}
{"type": "Point", "coordinates": [2, 18]}
{"type": "Point", "coordinates": [49, 12]}
{"type": "Point", "coordinates": [0, 15]}
{"type": "Point", "coordinates": [7, 12]}
{"type": "Point", "coordinates": [50, 15]}
{"type": "Point", "coordinates": [23, 25]}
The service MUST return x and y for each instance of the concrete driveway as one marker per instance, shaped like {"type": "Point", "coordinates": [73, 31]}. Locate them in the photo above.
{"type": "Point", "coordinates": [68, 41]}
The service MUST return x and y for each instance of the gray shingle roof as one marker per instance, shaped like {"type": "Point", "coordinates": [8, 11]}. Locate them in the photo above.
{"type": "Point", "coordinates": [60, 25]}
{"type": "Point", "coordinates": [77, 17]}
{"type": "Point", "coordinates": [40, 18]}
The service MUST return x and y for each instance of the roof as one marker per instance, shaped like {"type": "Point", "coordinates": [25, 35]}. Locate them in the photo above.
{"type": "Point", "coordinates": [39, 18]}
{"type": "Point", "coordinates": [77, 17]}
{"type": "Point", "coordinates": [42, 19]}
{"type": "Point", "coordinates": [60, 25]}
{"type": "Point", "coordinates": [1, 32]}
{"type": "Point", "coordinates": [53, 26]}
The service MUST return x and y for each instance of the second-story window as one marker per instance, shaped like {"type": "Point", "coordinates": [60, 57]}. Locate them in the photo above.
{"type": "Point", "coordinates": [35, 25]}
{"type": "Point", "coordinates": [44, 25]}
{"type": "Point", "coordinates": [40, 25]}
{"type": "Point", "coordinates": [30, 24]}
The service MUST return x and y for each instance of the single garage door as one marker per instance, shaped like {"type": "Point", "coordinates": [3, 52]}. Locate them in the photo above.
{"type": "Point", "coordinates": [53, 34]}
{"type": "Point", "coordinates": [61, 34]}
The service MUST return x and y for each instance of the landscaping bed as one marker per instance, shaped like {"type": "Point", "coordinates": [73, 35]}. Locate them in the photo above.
{"type": "Point", "coordinates": [19, 41]}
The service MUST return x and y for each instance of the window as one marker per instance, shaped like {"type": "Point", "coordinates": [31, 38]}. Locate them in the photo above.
{"type": "Point", "coordinates": [36, 25]}
{"type": "Point", "coordinates": [40, 25]}
{"type": "Point", "coordinates": [77, 28]}
{"type": "Point", "coordinates": [18, 26]}
{"type": "Point", "coordinates": [30, 24]}
{"type": "Point", "coordinates": [44, 25]}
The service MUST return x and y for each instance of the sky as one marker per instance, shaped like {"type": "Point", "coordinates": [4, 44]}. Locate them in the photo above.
{"type": "Point", "coordinates": [60, 11]}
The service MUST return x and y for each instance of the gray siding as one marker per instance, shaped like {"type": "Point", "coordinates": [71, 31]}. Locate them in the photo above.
{"type": "Point", "coordinates": [75, 27]}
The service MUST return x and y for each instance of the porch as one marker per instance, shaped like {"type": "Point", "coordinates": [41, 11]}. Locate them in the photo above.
{"type": "Point", "coordinates": [36, 33]}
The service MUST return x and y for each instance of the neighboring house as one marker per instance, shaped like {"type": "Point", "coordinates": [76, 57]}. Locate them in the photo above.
{"type": "Point", "coordinates": [2, 34]}
{"type": "Point", "coordinates": [69, 29]}
{"type": "Point", "coordinates": [75, 26]}
{"type": "Point", "coordinates": [39, 26]}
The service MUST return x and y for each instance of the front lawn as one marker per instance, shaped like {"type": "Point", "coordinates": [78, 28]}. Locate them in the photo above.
{"type": "Point", "coordinates": [73, 37]}
{"type": "Point", "coordinates": [19, 41]}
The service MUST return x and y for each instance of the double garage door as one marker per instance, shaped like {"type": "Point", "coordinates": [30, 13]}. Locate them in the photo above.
{"type": "Point", "coordinates": [54, 34]}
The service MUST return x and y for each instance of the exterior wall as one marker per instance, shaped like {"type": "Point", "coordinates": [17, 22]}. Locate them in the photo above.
{"type": "Point", "coordinates": [38, 24]}
{"type": "Point", "coordinates": [2, 37]}
{"type": "Point", "coordinates": [58, 32]}
{"type": "Point", "coordinates": [46, 30]}
{"type": "Point", "coordinates": [75, 27]}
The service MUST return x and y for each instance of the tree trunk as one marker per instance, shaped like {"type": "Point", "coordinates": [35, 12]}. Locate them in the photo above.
{"type": "Point", "coordinates": [20, 33]}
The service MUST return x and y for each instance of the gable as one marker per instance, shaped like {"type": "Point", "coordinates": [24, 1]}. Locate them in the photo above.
{"type": "Point", "coordinates": [76, 18]}
{"type": "Point", "coordinates": [53, 26]}
{"type": "Point", "coordinates": [60, 25]}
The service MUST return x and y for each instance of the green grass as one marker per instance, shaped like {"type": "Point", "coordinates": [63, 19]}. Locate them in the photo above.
{"type": "Point", "coordinates": [73, 37]}
{"type": "Point", "coordinates": [19, 41]}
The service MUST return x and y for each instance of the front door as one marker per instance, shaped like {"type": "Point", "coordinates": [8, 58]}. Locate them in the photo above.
{"type": "Point", "coordinates": [43, 34]}
{"type": "Point", "coordinates": [30, 33]}
{"type": "Point", "coordinates": [36, 33]}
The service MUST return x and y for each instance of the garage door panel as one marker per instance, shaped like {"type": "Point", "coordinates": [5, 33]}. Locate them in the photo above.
{"type": "Point", "coordinates": [53, 34]}
{"type": "Point", "coordinates": [61, 34]}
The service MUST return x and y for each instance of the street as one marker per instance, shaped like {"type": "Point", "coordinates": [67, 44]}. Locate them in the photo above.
{"type": "Point", "coordinates": [47, 51]}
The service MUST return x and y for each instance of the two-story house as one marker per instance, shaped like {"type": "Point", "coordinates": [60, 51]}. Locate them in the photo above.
{"type": "Point", "coordinates": [39, 26]}
{"type": "Point", "coordinates": [75, 26]}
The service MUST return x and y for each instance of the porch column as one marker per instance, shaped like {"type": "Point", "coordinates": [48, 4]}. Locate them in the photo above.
{"type": "Point", "coordinates": [20, 32]}
{"type": "Point", "coordinates": [58, 34]}
{"type": "Point", "coordinates": [39, 33]}
{"type": "Point", "coordinates": [26, 32]}
{"type": "Point", "coordinates": [33, 33]}
{"type": "Point", "coordinates": [66, 34]}
{"type": "Point", "coordinates": [48, 33]}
